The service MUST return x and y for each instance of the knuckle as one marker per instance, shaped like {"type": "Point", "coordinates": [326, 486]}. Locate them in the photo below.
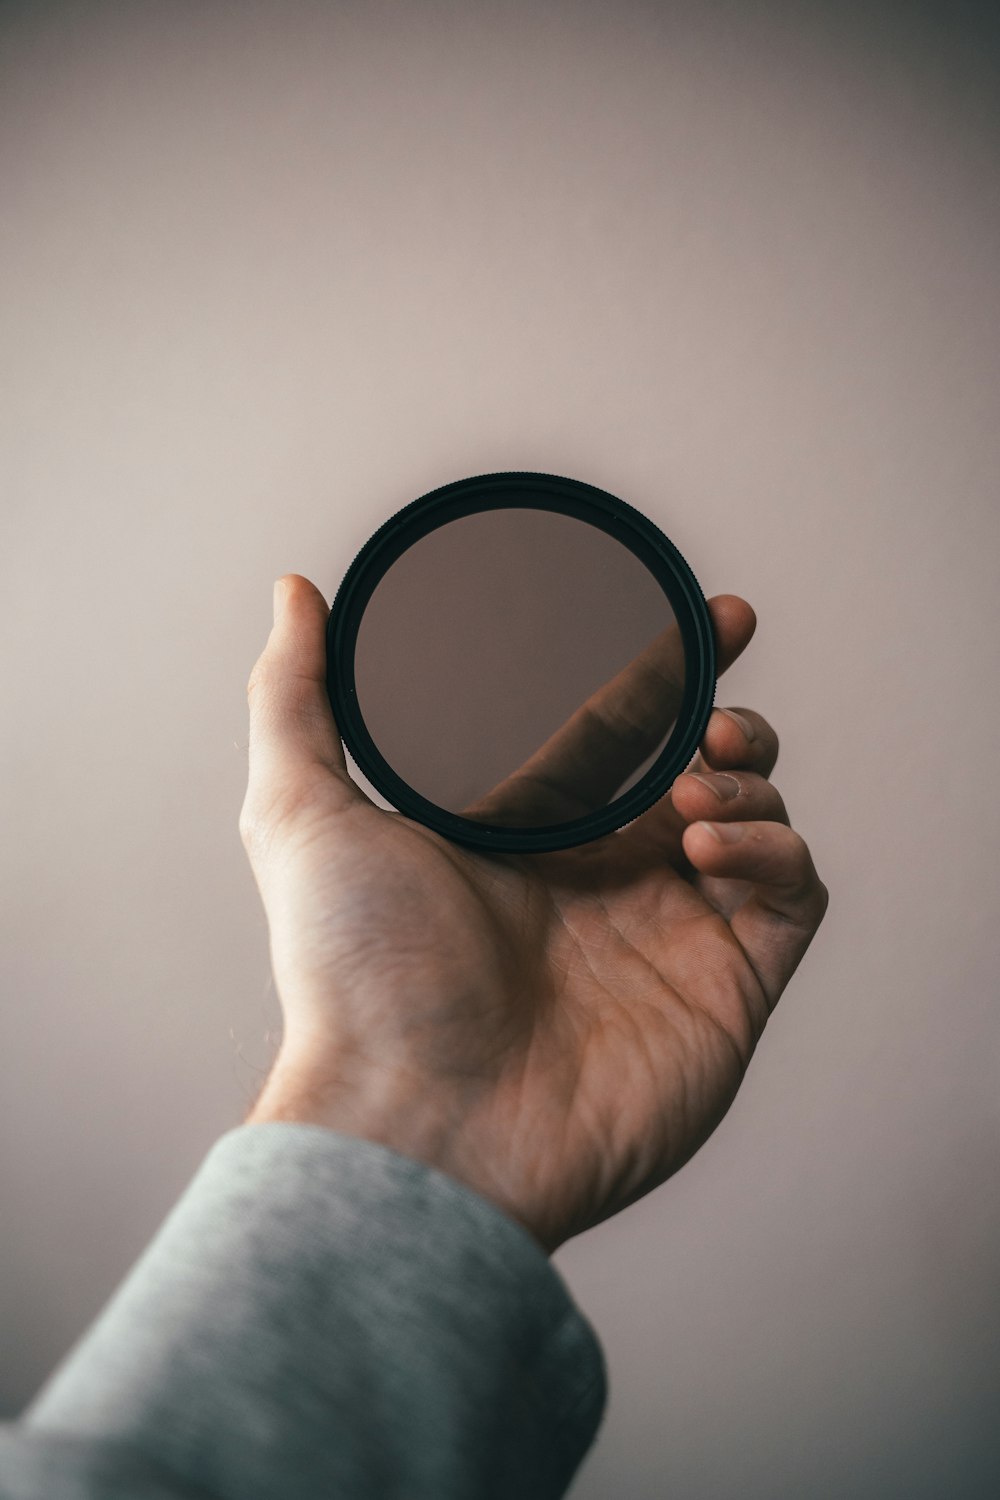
{"type": "Point", "coordinates": [802, 878]}
{"type": "Point", "coordinates": [769, 744]}
{"type": "Point", "coordinates": [762, 750]}
{"type": "Point", "coordinates": [257, 821]}
{"type": "Point", "coordinates": [776, 808]}
{"type": "Point", "coordinates": [268, 814]}
{"type": "Point", "coordinates": [754, 784]}
{"type": "Point", "coordinates": [259, 837]}
{"type": "Point", "coordinates": [800, 854]}
{"type": "Point", "coordinates": [251, 827]}
{"type": "Point", "coordinates": [790, 854]}
{"type": "Point", "coordinates": [258, 676]}
{"type": "Point", "coordinates": [760, 794]}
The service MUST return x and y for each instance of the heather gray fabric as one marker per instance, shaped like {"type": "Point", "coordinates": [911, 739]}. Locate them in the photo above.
{"type": "Point", "coordinates": [320, 1316]}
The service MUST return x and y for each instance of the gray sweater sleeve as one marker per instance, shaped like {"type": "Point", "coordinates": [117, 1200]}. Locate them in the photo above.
{"type": "Point", "coordinates": [320, 1316]}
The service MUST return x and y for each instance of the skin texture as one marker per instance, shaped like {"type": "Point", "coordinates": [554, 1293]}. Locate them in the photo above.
{"type": "Point", "coordinates": [560, 1032]}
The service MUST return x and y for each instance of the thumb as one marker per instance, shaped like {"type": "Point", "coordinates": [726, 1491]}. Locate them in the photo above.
{"type": "Point", "coordinates": [292, 729]}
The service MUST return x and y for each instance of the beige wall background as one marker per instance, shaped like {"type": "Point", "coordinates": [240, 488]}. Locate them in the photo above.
{"type": "Point", "coordinates": [269, 271]}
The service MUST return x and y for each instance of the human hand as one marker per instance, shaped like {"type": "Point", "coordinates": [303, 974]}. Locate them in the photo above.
{"type": "Point", "coordinates": [560, 1031]}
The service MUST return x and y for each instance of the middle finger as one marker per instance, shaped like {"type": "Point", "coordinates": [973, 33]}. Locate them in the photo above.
{"type": "Point", "coordinates": [737, 738]}
{"type": "Point", "coordinates": [727, 797]}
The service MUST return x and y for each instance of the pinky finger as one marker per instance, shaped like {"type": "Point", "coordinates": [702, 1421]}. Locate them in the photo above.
{"type": "Point", "coordinates": [787, 900]}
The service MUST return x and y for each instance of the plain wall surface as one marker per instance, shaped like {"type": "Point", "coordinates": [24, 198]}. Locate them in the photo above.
{"type": "Point", "coordinates": [270, 271]}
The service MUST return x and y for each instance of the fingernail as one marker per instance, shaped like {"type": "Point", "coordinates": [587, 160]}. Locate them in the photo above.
{"type": "Point", "coordinates": [278, 602]}
{"type": "Point", "coordinates": [740, 722]}
{"type": "Point", "coordinates": [725, 787]}
{"type": "Point", "coordinates": [726, 833]}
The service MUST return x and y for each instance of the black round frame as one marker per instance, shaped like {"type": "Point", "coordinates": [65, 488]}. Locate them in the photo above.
{"type": "Point", "coordinates": [523, 490]}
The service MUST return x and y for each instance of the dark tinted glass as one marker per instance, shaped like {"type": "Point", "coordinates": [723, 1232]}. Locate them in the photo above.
{"type": "Point", "coordinates": [519, 667]}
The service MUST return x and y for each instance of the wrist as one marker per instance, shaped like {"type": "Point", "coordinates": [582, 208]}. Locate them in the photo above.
{"type": "Point", "coordinates": [400, 1113]}
{"type": "Point", "coordinates": [377, 1108]}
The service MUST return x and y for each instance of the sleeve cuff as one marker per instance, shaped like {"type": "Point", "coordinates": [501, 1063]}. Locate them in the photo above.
{"type": "Point", "coordinates": [320, 1314]}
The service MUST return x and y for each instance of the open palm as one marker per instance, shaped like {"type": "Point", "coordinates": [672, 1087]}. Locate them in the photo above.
{"type": "Point", "coordinates": [559, 1031]}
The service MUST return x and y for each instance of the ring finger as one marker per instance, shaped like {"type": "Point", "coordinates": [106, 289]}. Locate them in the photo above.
{"type": "Point", "coordinates": [737, 737]}
{"type": "Point", "coordinates": [738, 742]}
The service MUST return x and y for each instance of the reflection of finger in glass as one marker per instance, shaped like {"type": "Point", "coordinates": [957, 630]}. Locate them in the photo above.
{"type": "Point", "coordinates": [603, 749]}
{"type": "Point", "coordinates": [488, 667]}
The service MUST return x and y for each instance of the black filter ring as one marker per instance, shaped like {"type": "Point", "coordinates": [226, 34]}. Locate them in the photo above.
{"type": "Point", "coordinates": [523, 490]}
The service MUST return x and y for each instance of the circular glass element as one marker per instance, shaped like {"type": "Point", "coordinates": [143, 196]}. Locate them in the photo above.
{"type": "Point", "coordinates": [520, 661]}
